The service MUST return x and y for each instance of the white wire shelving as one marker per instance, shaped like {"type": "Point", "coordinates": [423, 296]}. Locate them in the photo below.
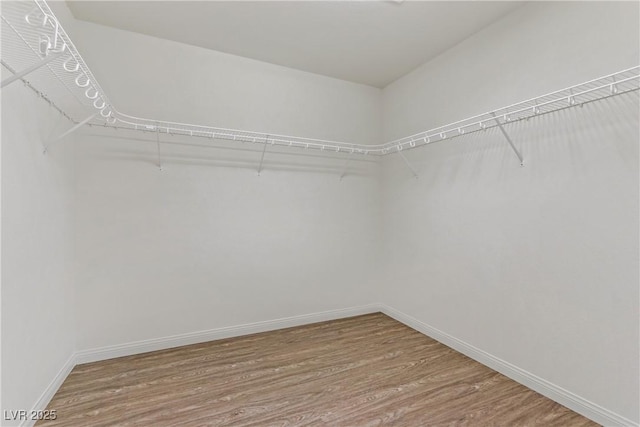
{"type": "Point", "coordinates": [34, 44]}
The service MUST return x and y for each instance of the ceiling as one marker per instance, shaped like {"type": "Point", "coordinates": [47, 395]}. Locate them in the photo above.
{"type": "Point", "coordinates": [368, 42]}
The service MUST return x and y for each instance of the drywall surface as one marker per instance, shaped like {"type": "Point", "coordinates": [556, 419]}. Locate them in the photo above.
{"type": "Point", "coordinates": [536, 265]}
{"type": "Point", "coordinates": [207, 243]}
{"type": "Point", "coordinates": [159, 79]}
{"type": "Point", "coordinates": [534, 50]}
{"type": "Point", "coordinates": [38, 321]}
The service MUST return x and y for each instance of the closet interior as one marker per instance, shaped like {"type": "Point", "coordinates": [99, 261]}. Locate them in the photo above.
{"type": "Point", "coordinates": [158, 194]}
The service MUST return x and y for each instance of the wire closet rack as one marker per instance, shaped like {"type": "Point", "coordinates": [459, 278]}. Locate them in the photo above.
{"type": "Point", "coordinates": [34, 44]}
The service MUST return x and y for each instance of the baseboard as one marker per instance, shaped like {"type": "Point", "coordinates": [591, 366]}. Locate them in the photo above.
{"type": "Point", "coordinates": [52, 388]}
{"type": "Point", "coordinates": [128, 349]}
{"type": "Point", "coordinates": [542, 386]}
{"type": "Point", "coordinates": [138, 347]}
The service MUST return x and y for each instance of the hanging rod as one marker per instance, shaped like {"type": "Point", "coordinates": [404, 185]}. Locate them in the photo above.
{"type": "Point", "coordinates": [617, 83]}
{"type": "Point", "coordinates": [42, 35]}
{"type": "Point", "coordinates": [39, 93]}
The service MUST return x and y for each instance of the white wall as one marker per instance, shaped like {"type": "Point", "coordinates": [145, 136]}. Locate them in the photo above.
{"type": "Point", "coordinates": [38, 321]}
{"type": "Point", "coordinates": [534, 50]}
{"type": "Point", "coordinates": [164, 80]}
{"type": "Point", "coordinates": [206, 243]}
{"type": "Point", "coordinates": [537, 266]}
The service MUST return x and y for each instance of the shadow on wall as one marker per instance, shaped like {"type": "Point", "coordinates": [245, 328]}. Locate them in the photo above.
{"type": "Point", "coordinates": [486, 155]}
{"type": "Point", "coordinates": [461, 159]}
{"type": "Point", "coordinates": [184, 151]}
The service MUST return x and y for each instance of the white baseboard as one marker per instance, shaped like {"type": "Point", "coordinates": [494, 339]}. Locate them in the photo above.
{"type": "Point", "coordinates": [542, 386]}
{"type": "Point", "coordinates": [144, 346]}
{"type": "Point", "coordinates": [52, 388]}
{"type": "Point", "coordinates": [128, 349]}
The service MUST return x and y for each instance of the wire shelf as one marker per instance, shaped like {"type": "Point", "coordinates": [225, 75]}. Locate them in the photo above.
{"type": "Point", "coordinates": [31, 34]}
{"type": "Point", "coordinates": [603, 87]}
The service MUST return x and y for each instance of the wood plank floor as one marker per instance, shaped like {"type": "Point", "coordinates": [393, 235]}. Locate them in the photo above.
{"type": "Point", "coordinates": [362, 371]}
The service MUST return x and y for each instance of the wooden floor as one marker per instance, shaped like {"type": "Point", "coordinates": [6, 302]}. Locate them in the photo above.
{"type": "Point", "coordinates": [361, 371]}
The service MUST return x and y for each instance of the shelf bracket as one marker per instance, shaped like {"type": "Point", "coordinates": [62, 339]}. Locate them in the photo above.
{"type": "Point", "coordinates": [513, 147]}
{"type": "Point", "coordinates": [346, 165]}
{"type": "Point", "coordinates": [158, 143]}
{"type": "Point", "coordinates": [266, 142]}
{"type": "Point", "coordinates": [72, 129]}
{"type": "Point", "coordinates": [406, 162]}
{"type": "Point", "coordinates": [21, 74]}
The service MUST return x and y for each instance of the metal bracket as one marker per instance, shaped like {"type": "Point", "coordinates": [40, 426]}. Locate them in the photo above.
{"type": "Point", "coordinates": [73, 129]}
{"type": "Point", "coordinates": [266, 142]}
{"type": "Point", "coordinates": [513, 147]}
{"type": "Point", "coordinates": [158, 142]}
{"type": "Point", "coordinates": [413, 171]}
{"type": "Point", "coordinates": [26, 71]}
{"type": "Point", "coordinates": [346, 164]}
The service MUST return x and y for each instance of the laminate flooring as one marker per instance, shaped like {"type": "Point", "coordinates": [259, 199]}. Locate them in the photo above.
{"type": "Point", "coordinates": [361, 371]}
